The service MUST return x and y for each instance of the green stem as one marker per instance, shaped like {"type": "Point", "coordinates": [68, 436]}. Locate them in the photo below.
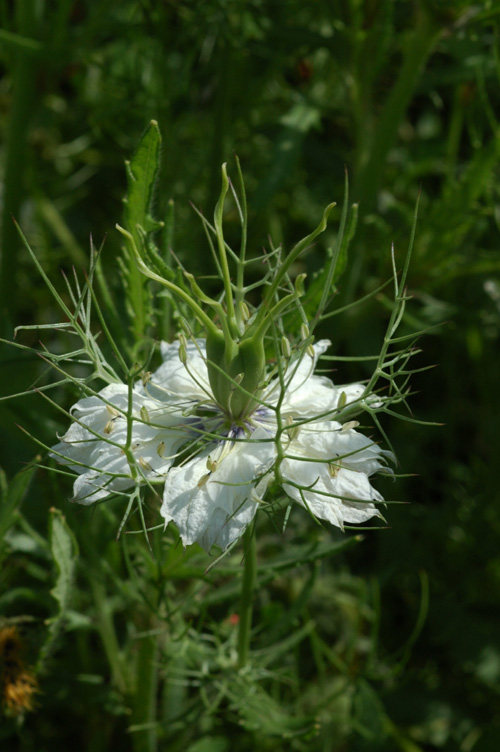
{"type": "Point", "coordinates": [283, 269]}
{"type": "Point", "coordinates": [197, 310]}
{"type": "Point", "coordinates": [240, 270]}
{"type": "Point", "coordinates": [247, 593]}
{"type": "Point", "coordinates": [105, 626]}
{"type": "Point", "coordinates": [226, 277]}
{"type": "Point", "coordinates": [145, 736]}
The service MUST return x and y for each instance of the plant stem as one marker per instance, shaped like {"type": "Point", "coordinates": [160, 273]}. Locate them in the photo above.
{"type": "Point", "coordinates": [247, 593]}
{"type": "Point", "coordinates": [145, 736]}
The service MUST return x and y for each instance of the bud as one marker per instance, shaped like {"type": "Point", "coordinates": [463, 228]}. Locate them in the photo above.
{"type": "Point", "coordinates": [304, 331]}
{"type": "Point", "coordinates": [310, 351]}
{"type": "Point", "coordinates": [182, 354]}
{"type": "Point", "coordinates": [144, 414]}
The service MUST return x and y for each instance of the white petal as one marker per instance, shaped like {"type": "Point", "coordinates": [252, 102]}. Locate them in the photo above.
{"type": "Point", "coordinates": [93, 446]}
{"type": "Point", "coordinates": [216, 507]}
{"type": "Point", "coordinates": [346, 498]}
{"type": "Point", "coordinates": [338, 489]}
{"type": "Point", "coordinates": [329, 440]}
{"type": "Point", "coordinates": [174, 381]}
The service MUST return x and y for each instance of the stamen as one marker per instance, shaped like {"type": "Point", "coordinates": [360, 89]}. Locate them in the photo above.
{"type": "Point", "coordinates": [350, 424]}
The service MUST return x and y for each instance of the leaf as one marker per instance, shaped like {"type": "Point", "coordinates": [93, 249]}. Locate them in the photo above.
{"type": "Point", "coordinates": [142, 173]}
{"type": "Point", "coordinates": [210, 744]}
{"type": "Point", "coordinates": [370, 719]}
{"type": "Point", "coordinates": [11, 496]}
{"type": "Point", "coordinates": [261, 713]}
{"type": "Point", "coordinates": [64, 550]}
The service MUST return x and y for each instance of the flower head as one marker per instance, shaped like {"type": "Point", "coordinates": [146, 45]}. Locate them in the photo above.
{"type": "Point", "coordinates": [217, 466]}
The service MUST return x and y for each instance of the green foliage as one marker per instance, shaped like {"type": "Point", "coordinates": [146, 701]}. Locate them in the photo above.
{"type": "Point", "coordinates": [142, 174]}
{"type": "Point", "coordinates": [140, 651]}
{"type": "Point", "coordinates": [11, 497]}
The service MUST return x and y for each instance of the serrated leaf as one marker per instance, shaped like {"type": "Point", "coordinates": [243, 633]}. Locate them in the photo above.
{"type": "Point", "coordinates": [142, 173]}
{"type": "Point", "coordinates": [64, 550]}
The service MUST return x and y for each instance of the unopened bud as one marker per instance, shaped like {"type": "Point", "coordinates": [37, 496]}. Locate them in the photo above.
{"type": "Point", "coordinates": [144, 414]}
{"type": "Point", "coordinates": [304, 331]}
{"type": "Point", "coordinates": [310, 351]}
{"type": "Point", "coordinates": [342, 401]}
{"type": "Point", "coordinates": [182, 339]}
{"type": "Point", "coordinates": [182, 355]}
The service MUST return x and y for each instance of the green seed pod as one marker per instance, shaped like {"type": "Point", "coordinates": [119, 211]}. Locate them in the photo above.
{"type": "Point", "coordinates": [226, 361]}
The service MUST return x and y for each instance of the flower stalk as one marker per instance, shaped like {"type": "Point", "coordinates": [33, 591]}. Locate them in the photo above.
{"type": "Point", "coordinates": [247, 595]}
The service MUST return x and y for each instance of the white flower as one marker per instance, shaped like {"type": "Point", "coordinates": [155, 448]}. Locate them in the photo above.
{"type": "Point", "coordinates": [94, 445]}
{"type": "Point", "coordinates": [216, 470]}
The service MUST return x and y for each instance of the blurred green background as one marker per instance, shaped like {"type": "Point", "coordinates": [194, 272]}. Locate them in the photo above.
{"type": "Point", "coordinates": [406, 97]}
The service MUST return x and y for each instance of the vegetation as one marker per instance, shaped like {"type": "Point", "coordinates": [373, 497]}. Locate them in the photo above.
{"type": "Point", "coordinates": [382, 641]}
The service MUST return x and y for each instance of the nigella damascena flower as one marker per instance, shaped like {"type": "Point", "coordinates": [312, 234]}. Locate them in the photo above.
{"type": "Point", "coordinates": [217, 468]}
